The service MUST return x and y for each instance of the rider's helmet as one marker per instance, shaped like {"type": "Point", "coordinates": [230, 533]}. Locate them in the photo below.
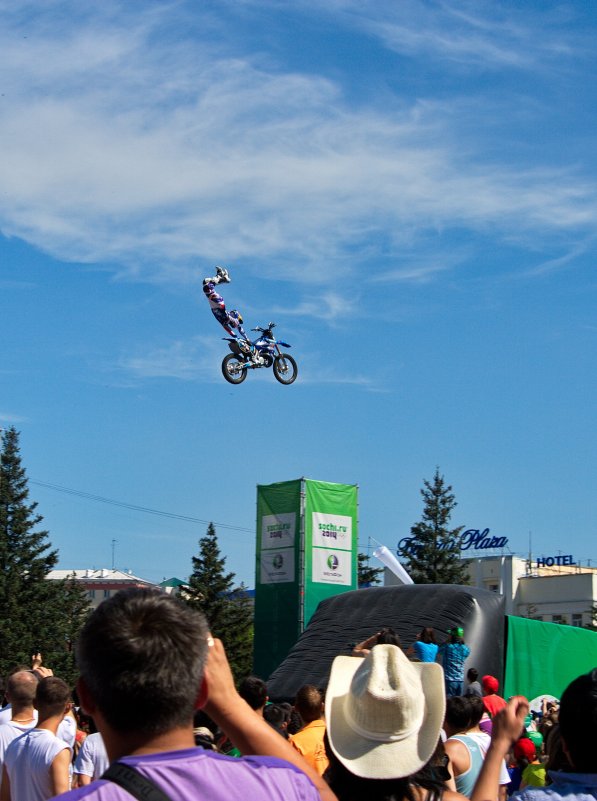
{"type": "Point", "coordinates": [235, 318]}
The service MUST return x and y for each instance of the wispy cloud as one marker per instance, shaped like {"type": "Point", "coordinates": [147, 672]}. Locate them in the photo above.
{"type": "Point", "coordinates": [557, 264]}
{"type": "Point", "coordinates": [120, 147]}
{"type": "Point", "coordinates": [8, 285]}
{"type": "Point", "coordinates": [323, 377]}
{"type": "Point", "coordinates": [421, 266]}
{"type": "Point", "coordinates": [329, 306]}
{"type": "Point", "coordinates": [11, 419]}
{"type": "Point", "coordinates": [199, 360]}
{"type": "Point", "coordinates": [190, 360]}
{"type": "Point", "coordinates": [470, 32]}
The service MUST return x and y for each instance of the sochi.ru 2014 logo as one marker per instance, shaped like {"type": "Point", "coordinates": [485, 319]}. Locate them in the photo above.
{"type": "Point", "coordinates": [333, 562]}
{"type": "Point", "coordinates": [278, 561]}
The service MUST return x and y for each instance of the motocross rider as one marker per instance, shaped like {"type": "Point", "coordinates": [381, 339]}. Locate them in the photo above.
{"type": "Point", "coordinates": [229, 320]}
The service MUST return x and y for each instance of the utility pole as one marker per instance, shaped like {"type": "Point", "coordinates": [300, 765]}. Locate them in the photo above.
{"type": "Point", "coordinates": [113, 549]}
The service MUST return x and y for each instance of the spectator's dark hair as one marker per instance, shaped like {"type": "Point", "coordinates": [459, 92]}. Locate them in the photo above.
{"type": "Point", "coordinates": [578, 721]}
{"type": "Point", "coordinates": [254, 691]}
{"type": "Point", "coordinates": [142, 654]}
{"type": "Point", "coordinates": [277, 716]}
{"type": "Point", "coordinates": [349, 787]}
{"type": "Point", "coordinates": [21, 688]}
{"type": "Point", "coordinates": [387, 636]}
{"type": "Point", "coordinates": [85, 722]}
{"type": "Point", "coordinates": [427, 635]}
{"type": "Point", "coordinates": [472, 674]}
{"type": "Point", "coordinates": [458, 712]}
{"type": "Point", "coordinates": [309, 703]}
{"type": "Point", "coordinates": [294, 724]}
{"type": "Point", "coordinates": [52, 695]}
{"type": "Point", "coordinates": [556, 758]}
{"type": "Point", "coordinates": [476, 710]}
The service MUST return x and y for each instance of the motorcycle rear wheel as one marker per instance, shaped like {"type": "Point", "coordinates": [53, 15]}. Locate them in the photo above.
{"type": "Point", "coordinates": [285, 369]}
{"type": "Point", "coordinates": [233, 370]}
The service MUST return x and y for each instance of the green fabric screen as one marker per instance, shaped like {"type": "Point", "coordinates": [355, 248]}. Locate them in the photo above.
{"type": "Point", "coordinates": [543, 658]}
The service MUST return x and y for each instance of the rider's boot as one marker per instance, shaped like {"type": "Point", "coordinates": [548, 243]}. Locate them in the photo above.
{"type": "Point", "coordinates": [221, 277]}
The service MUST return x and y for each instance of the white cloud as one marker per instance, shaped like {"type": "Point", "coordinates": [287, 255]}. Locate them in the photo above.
{"type": "Point", "coordinates": [566, 261]}
{"type": "Point", "coordinates": [11, 419]}
{"type": "Point", "coordinates": [147, 151]}
{"type": "Point", "coordinates": [329, 306]}
{"type": "Point", "coordinates": [199, 359]}
{"type": "Point", "coordinates": [322, 377]}
{"type": "Point", "coordinates": [187, 361]}
{"type": "Point", "coordinates": [471, 32]}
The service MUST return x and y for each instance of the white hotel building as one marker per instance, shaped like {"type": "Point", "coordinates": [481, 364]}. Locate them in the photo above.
{"type": "Point", "coordinates": [553, 593]}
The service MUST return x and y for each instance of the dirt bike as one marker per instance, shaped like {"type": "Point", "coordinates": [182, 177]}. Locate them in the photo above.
{"type": "Point", "coordinates": [261, 352]}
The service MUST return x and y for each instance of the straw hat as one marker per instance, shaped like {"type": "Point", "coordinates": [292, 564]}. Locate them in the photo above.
{"type": "Point", "coordinates": [384, 713]}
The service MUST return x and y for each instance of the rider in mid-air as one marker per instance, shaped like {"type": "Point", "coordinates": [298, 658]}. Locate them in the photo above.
{"type": "Point", "coordinates": [228, 319]}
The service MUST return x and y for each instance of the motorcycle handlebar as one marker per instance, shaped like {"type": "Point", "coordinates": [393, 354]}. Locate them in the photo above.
{"type": "Point", "coordinates": [269, 328]}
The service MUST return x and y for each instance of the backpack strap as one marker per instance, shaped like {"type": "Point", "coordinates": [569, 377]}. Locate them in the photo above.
{"type": "Point", "coordinates": [139, 786]}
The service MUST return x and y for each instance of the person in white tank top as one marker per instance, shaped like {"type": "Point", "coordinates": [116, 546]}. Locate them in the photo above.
{"type": "Point", "coordinates": [92, 760]}
{"type": "Point", "coordinates": [36, 764]}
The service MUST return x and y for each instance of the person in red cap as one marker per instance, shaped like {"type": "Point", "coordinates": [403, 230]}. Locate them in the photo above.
{"type": "Point", "coordinates": [533, 772]}
{"type": "Point", "coordinates": [491, 700]}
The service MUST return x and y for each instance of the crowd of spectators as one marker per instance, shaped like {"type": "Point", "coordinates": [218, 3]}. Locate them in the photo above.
{"type": "Point", "coordinates": [158, 717]}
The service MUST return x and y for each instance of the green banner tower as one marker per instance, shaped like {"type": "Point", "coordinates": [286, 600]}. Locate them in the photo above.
{"type": "Point", "coordinates": [306, 551]}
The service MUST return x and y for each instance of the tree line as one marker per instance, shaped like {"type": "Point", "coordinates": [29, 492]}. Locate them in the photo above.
{"type": "Point", "coordinates": [41, 615]}
{"type": "Point", "coordinates": [44, 616]}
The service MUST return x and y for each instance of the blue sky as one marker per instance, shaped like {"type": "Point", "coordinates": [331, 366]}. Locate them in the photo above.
{"type": "Point", "coordinates": [408, 189]}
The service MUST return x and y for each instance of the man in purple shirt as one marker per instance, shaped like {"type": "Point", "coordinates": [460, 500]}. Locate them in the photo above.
{"type": "Point", "coordinates": [147, 662]}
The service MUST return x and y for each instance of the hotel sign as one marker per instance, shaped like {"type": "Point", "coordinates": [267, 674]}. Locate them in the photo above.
{"type": "Point", "coordinates": [550, 561]}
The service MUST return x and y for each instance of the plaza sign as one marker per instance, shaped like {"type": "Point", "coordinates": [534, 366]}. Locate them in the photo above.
{"type": "Point", "coordinates": [472, 539]}
{"type": "Point", "coordinates": [480, 540]}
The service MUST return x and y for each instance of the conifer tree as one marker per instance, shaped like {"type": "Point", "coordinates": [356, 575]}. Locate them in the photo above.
{"type": "Point", "coordinates": [432, 552]}
{"type": "Point", "coordinates": [367, 575]}
{"type": "Point", "coordinates": [227, 608]}
{"type": "Point", "coordinates": [35, 614]}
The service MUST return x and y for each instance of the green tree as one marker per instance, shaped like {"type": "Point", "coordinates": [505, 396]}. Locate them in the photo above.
{"type": "Point", "coordinates": [228, 609]}
{"type": "Point", "coordinates": [432, 552]}
{"type": "Point", "coordinates": [36, 614]}
{"type": "Point", "coordinates": [367, 575]}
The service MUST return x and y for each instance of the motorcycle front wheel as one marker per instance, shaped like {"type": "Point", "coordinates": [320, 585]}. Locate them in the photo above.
{"type": "Point", "coordinates": [233, 370]}
{"type": "Point", "coordinates": [285, 368]}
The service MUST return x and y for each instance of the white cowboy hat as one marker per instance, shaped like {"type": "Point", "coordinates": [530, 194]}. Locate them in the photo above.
{"type": "Point", "coordinates": [384, 713]}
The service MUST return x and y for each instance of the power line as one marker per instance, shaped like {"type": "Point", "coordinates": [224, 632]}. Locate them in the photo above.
{"type": "Point", "coordinates": [147, 510]}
